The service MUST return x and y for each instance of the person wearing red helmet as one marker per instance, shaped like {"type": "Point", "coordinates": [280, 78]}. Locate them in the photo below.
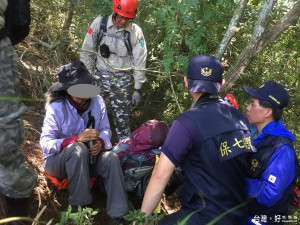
{"type": "Point", "coordinates": [126, 8]}
{"type": "Point", "coordinates": [230, 98]}
{"type": "Point", "coordinates": [117, 51]}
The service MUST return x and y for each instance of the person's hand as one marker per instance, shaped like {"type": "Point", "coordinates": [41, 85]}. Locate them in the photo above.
{"type": "Point", "coordinates": [96, 148]}
{"type": "Point", "coordinates": [88, 135]}
{"type": "Point", "coordinates": [136, 97]}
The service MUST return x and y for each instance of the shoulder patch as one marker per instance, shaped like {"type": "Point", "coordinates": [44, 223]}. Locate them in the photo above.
{"type": "Point", "coordinates": [272, 179]}
{"type": "Point", "coordinates": [90, 30]}
{"type": "Point", "coordinates": [141, 41]}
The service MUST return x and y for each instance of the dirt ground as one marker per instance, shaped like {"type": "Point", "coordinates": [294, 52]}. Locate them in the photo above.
{"type": "Point", "coordinates": [45, 193]}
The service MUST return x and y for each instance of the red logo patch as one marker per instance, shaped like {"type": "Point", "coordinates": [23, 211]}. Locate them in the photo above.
{"type": "Point", "coordinates": [90, 30]}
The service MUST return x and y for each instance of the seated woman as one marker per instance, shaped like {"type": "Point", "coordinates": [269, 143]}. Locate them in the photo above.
{"type": "Point", "coordinates": [76, 130]}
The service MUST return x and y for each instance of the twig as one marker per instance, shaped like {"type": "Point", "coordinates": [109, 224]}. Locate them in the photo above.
{"type": "Point", "coordinates": [36, 219]}
{"type": "Point", "coordinates": [44, 43]}
{"type": "Point", "coordinates": [175, 96]}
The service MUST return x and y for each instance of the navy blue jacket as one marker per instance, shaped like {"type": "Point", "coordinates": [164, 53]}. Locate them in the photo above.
{"type": "Point", "coordinates": [215, 174]}
{"type": "Point", "coordinates": [273, 170]}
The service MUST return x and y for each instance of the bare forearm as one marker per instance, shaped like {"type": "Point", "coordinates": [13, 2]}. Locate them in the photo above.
{"type": "Point", "coordinates": [159, 180]}
{"type": "Point", "coordinates": [153, 194]}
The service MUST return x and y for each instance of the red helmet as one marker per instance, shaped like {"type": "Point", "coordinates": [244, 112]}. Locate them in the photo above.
{"type": "Point", "coordinates": [126, 8]}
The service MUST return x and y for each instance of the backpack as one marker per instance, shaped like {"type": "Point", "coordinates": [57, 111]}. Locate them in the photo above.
{"type": "Point", "coordinates": [17, 20]}
{"type": "Point", "coordinates": [126, 38]}
{"type": "Point", "coordinates": [138, 155]}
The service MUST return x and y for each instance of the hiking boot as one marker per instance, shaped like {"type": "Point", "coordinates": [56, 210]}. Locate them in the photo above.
{"type": "Point", "coordinates": [117, 221]}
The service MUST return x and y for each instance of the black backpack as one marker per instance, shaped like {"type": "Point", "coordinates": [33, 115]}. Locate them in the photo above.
{"type": "Point", "coordinates": [17, 20]}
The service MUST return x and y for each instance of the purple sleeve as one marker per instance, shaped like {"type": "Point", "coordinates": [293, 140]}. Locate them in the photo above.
{"type": "Point", "coordinates": [181, 140]}
{"type": "Point", "coordinates": [50, 140]}
{"type": "Point", "coordinates": [104, 127]}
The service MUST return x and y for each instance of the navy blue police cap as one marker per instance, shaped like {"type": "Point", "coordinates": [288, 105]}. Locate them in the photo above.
{"type": "Point", "coordinates": [270, 92]}
{"type": "Point", "coordinates": [204, 74]}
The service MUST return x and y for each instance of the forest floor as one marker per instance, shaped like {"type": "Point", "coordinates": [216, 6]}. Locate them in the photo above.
{"type": "Point", "coordinates": [45, 193]}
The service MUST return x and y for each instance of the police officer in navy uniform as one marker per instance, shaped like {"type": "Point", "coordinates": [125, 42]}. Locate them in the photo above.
{"type": "Point", "coordinates": [273, 167]}
{"type": "Point", "coordinates": [211, 143]}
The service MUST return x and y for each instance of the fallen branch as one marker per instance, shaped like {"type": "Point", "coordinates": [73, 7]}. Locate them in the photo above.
{"type": "Point", "coordinates": [44, 43]}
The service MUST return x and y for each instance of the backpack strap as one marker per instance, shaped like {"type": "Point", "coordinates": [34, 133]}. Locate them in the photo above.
{"type": "Point", "coordinates": [128, 44]}
{"type": "Point", "coordinates": [103, 27]}
{"type": "Point", "coordinates": [103, 32]}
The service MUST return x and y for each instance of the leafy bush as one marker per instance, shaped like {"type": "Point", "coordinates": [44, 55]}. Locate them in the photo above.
{"type": "Point", "coordinates": [81, 217]}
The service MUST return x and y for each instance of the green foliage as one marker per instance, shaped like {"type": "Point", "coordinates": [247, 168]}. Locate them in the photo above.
{"type": "Point", "coordinates": [139, 217]}
{"type": "Point", "coordinates": [86, 12]}
{"type": "Point", "coordinates": [175, 31]}
{"type": "Point", "coordinates": [81, 217]}
{"type": "Point", "coordinates": [183, 29]}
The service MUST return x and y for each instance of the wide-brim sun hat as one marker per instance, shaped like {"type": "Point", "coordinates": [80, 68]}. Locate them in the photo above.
{"type": "Point", "coordinates": [271, 92]}
{"type": "Point", "coordinates": [204, 74]}
{"type": "Point", "coordinates": [72, 74]}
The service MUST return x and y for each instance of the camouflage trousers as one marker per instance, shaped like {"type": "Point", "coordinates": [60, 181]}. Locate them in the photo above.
{"type": "Point", "coordinates": [118, 88]}
{"type": "Point", "coordinates": [16, 181]}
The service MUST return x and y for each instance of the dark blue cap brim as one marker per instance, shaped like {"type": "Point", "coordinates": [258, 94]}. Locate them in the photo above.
{"type": "Point", "coordinates": [204, 86]}
{"type": "Point", "coordinates": [270, 92]}
{"type": "Point", "coordinates": [254, 93]}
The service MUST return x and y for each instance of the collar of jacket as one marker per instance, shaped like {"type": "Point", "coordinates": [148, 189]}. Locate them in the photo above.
{"type": "Point", "coordinates": [206, 97]}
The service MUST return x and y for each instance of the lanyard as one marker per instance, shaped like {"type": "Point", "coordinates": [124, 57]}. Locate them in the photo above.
{"type": "Point", "coordinates": [91, 120]}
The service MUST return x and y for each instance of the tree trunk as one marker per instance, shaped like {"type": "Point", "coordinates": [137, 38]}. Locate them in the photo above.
{"type": "Point", "coordinates": [68, 21]}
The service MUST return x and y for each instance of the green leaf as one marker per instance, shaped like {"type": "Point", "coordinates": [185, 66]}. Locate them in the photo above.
{"type": "Point", "coordinates": [183, 222]}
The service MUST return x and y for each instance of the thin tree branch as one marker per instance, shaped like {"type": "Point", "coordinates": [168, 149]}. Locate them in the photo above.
{"type": "Point", "coordinates": [174, 94]}
{"type": "Point", "coordinates": [232, 27]}
{"type": "Point", "coordinates": [44, 43]}
{"type": "Point", "coordinates": [68, 21]}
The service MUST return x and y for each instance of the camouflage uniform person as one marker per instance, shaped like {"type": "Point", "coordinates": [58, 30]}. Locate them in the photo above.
{"type": "Point", "coordinates": [16, 181]}
{"type": "Point", "coordinates": [113, 55]}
